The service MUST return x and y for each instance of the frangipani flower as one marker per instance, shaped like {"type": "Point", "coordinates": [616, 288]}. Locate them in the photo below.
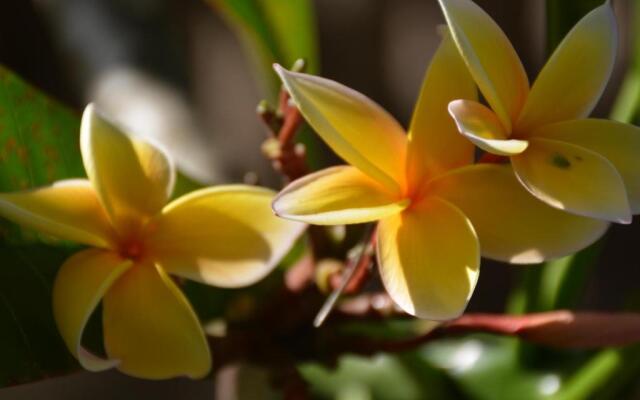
{"type": "Point", "coordinates": [587, 167]}
{"type": "Point", "coordinates": [431, 202]}
{"type": "Point", "coordinates": [225, 236]}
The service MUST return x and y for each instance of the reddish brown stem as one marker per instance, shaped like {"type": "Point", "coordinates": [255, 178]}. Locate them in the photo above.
{"type": "Point", "coordinates": [362, 270]}
{"type": "Point", "coordinates": [291, 123]}
{"type": "Point", "coordinates": [286, 156]}
{"type": "Point", "coordinates": [559, 329]}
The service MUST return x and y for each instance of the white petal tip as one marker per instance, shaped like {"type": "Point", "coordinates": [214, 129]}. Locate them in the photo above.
{"type": "Point", "coordinates": [625, 220]}
{"type": "Point", "coordinates": [453, 105]}
{"type": "Point", "coordinates": [281, 71]}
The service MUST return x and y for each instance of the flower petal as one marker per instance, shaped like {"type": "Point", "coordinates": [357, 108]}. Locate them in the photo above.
{"type": "Point", "coordinates": [429, 259]}
{"type": "Point", "coordinates": [68, 209]}
{"type": "Point", "coordinates": [356, 128]}
{"type": "Point", "coordinates": [133, 178]}
{"type": "Point", "coordinates": [575, 76]}
{"type": "Point", "coordinates": [335, 196]}
{"type": "Point", "coordinates": [81, 283]}
{"type": "Point", "coordinates": [573, 179]}
{"type": "Point", "coordinates": [615, 141]}
{"type": "Point", "coordinates": [435, 145]}
{"type": "Point", "coordinates": [225, 236]}
{"type": "Point", "coordinates": [492, 60]}
{"type": "Point", "coordinates": [482, 127]}
{"type": "Point", "coordinates": [512, 225]}
{"type": "Point", "coordinates": [151, 328]}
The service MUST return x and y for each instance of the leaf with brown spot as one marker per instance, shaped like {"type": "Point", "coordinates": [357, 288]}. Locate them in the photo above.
{"type": "Point", "coordinates": [39, 143]}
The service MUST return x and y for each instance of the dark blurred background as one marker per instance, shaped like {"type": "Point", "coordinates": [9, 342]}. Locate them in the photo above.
{"type": "Point", "coordinates": [173, 70]}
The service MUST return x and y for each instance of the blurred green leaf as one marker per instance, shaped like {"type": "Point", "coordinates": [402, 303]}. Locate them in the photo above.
{"type": "Point", "coordinates": [277, 31]}
{"type": "Point", "coordinates": [605, 376]}
{"type": "Point", "coordinates": [273, 31]}
{"type": "Point", "coordinates": [488, 367]}
{"type": "Point", "coordinates": [38, 144]}
{"type": "Point", "coordinates": [380, 377]}
{"type": "Point", "coordinates": [562, 15]}
{"type": "Point", "coordinates": [627, 104]}
{"type": "Point", "coordinates": [30, 346]}
{"type": "Point", "coordinates": [557, 284]}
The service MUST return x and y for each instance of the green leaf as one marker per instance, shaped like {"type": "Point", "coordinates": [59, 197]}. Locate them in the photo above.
{"type": "Point", "coordinates": [487, 367]}
{"type": "Point", "coordinates": [38, 137]}
{"type": "Point", "coordinates": [30, 346]}
{"type": "Point", "coordinates": [272, 31]}
{"type": "Point", "coordinates": [277, 31]}
{"type": "Point", "coordinates": [38, 144]}
{"type": "Point", "coordinates": [383, 377]}
{"type": "Point", "coordinates": [627, 104]}
{"type": "Point", "coordinates": [562, 15]}
{"type": "Point", "coordinates": [604, 376]}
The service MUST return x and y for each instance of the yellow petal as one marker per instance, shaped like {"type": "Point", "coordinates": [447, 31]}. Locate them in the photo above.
{"type": "Point", "coordinates": [356, 128]}
{"type": "Point", "coordinates": [435, 144]}
{"type": "Point", "coordinates": [68, 209]}
{"type": "Point", "coordinates": [615, 141]}
{"type": "Point", "coordinates": [512, 225]}
{"type": "Point", "coordinates": [492, 60]}
{"type": "Point", "coordinates": [429, 259]}
{"type": "Point", "coordinates": [573, 179]}
{"type": "Point", "coordinates": [335, 196]}
{"type": "Point", "coordinates": [151, 328]}
{"type": "Point", "coordinates": [482, 127]}
{"type": "Point", "coordinates": [225, 236]}
{"type": "Point", "coordinates": [81, 283]}
{"type": "Point", "coordinates": [575, 76]}
{"type": "Point", "coordinates": [133, 178]}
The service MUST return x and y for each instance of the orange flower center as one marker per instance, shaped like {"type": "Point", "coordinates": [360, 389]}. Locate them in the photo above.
{"type": "Point", "coordinates": [133, 249]}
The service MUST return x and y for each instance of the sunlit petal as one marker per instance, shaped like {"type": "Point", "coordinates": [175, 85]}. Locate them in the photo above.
{"type": "Point", "coordinates": [482, 127]}
{"type": "Point", "coordinates": [68, 210]}
{"type": "Point", "coordinates": [615, 141]}
{"type": "Point", "coordinates": [429, 259]}
{"type": "Point", "coordinates": [575, 76]}
{"type": "Point", "coordinates": [435, 144]}
{"type": "Point", "coordinates": [81, 283]}
{"type": "Point", "coordinates": [574, 179]}
{"type": "Point", "coordinates": [512, 225]}
{"type": "Point", "coordinates": [225, 236]}
{"type": "Point", "coordinates": [150, 327]}
{"type": "Point", "coordinates": [338, 195]}
{"type": "Point", "coordinates": [133, 178]}
{"type": "Point", "coordinates": [355, 127]}
{"type": "Point", "coordinates": [492, 60]}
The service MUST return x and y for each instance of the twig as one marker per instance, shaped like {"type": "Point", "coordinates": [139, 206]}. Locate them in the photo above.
{"type": "Point", "coordinates": [559, 329]}
{"type": "Point", "coordinates": [361, 273]}
{"type": "Point", "coordinates": [287, 156]}
{"type": "Point", "coordinates": [362, 262]}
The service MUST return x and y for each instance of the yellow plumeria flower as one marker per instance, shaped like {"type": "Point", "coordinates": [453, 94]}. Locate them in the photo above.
{"type": "Point", "coordinates": [225, 236]}
{"type": "Point", "coordinates": [584, 166]}
{"type": "Point", "coordinates": [433, 205]}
